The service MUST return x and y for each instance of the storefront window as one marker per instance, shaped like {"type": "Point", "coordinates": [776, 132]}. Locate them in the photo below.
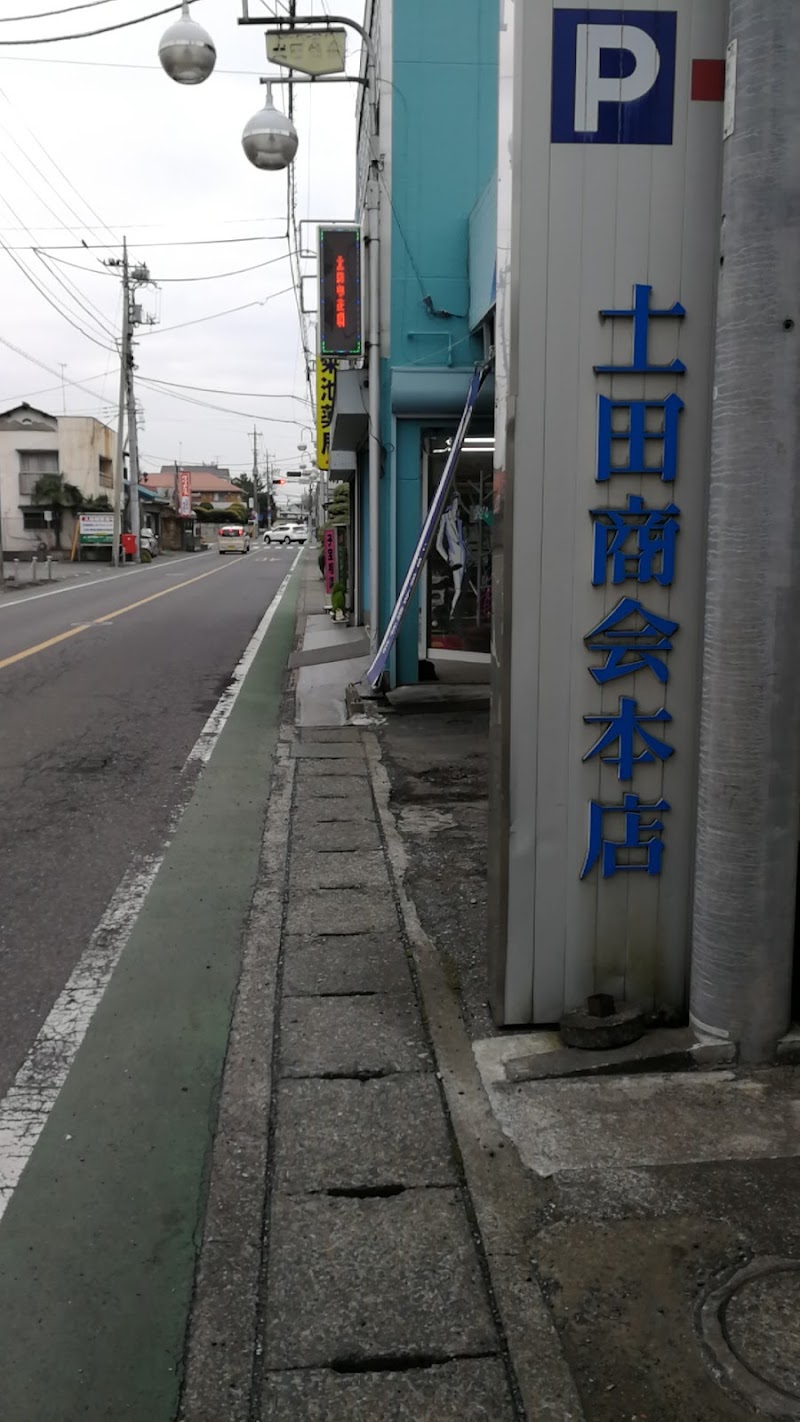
{"type": "Point", "coordinates": [459, 579]}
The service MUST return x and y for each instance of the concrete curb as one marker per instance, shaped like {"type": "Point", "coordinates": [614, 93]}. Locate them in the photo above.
{"type": "Point", "coordinates": [499, 1186]}
{"type": "Point", "coordinates": [223, 1334]}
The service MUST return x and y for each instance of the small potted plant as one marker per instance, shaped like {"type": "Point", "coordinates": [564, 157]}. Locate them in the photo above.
{"type": "Point", "coordinates": [337, 602]}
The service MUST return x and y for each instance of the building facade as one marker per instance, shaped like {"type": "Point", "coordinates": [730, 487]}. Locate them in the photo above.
{"type": "Point", "coordinates": [75, 448]}
{"type": "Point", "coordinates": [437, 250]}
{"type": "Point", "coordinates": [209, 484]}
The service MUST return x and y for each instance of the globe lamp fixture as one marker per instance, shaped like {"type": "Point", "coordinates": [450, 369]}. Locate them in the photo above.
{"type": "Point", "coordinates": [187, 51]}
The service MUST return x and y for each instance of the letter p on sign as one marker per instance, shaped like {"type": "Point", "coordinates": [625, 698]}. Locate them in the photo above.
{"type": "Point", "coordinates": [613, 76]}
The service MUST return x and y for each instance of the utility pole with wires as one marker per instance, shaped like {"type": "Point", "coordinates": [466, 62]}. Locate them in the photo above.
{"type": "Point", "coordinates": [255, 478]}
{"type": "Point", "coordinates": [132, 277]}
{"type": "Point", "coordinates": [745, 905]}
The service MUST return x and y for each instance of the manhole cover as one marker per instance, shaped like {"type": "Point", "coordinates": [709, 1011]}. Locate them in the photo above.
{"type": "Point", "coordinates": [751, 1326]}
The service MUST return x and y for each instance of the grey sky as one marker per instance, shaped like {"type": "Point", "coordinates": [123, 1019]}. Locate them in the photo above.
{"type": "Point", "coordinates": [163, 164]}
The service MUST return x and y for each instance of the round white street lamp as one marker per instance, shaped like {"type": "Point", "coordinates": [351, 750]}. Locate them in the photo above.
{"type": "Point", "coordinates": [187, 51]}
{"type": "Point", "coordinates": [270, 138]}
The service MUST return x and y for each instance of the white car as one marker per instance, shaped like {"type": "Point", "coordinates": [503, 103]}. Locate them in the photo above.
{"type": "Point", "coordinates": [233, 538]}
{"type": "Point", "coordinates": [148, 542]}
{"type": "Point", "coordinates": [286, 533]}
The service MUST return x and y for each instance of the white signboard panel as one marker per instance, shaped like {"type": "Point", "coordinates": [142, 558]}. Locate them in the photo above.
{"type": "Point", "coordinates": [610, 141]}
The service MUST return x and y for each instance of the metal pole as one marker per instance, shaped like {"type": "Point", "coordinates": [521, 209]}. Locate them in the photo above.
{"type": "Point", "coordinates": [255, 478]}
{"type": "Point", "coordinates": [123, 364]}
{"type": "Point", "coordinates": [373, 249]}
{"type": "Point", "coordinates": [749, 771]}
{"type": "Point", "coordinates": [134, 476]}
{"type": "Point", "coordinates": [321, 22]}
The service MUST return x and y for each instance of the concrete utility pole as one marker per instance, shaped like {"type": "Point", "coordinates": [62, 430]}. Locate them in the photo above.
{"type": "Point", "coordinates": [133, 441]}
{"type": "Point", "coordinates": [131, 316]}
{"type": "Point", "coordinates": [749, 772]}
{"type": "Point", "coordinates": [124, 344]}
{"type": "Point", "coordinates": [255, 477]}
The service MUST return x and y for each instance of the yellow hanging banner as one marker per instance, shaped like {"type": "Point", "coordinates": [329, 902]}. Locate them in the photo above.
{"type": "Point", "coordinates": [326, 389]}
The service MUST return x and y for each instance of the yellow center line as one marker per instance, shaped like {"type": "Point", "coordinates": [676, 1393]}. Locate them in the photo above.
{"type": "Point", "coordinates": [107, 617]}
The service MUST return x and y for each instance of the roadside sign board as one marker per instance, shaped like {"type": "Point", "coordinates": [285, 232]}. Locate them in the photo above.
{"type": "Point", "coordinates": [330, 551]}
{"type": "Point", "coordinates": [608, 249]}
{"type": "Point", "coordinates": [312, 52]}
{"type": "Point", "coordinates": [326, 389]}
{"type": "Point", "coordinates": [96, 528]}
{"type": "Point", "coordinates": [184, 493]}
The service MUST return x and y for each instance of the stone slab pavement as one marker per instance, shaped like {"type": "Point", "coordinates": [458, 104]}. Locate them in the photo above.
{"type": "Point", "coordinates": [343, 1272]}
{"type": "Point", "coordinates": [358, 1260]}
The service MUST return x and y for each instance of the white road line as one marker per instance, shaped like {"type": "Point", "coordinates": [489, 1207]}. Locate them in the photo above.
{"type": "Point", "coordinates": [204, 745]}
{"type": "Point", "coordinates": [30, 1099]}
{"type": "Point", "coordinates": [73, 587]}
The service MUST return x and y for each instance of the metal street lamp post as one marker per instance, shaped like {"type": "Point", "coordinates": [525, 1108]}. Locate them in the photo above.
{"type": "Point", "coordinates": [270, 142]}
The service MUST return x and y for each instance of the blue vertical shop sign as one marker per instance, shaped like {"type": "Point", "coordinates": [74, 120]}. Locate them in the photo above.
{"type": "Point", "coordinates": [635, 544]}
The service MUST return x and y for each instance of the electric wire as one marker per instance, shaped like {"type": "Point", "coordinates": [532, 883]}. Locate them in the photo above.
{"type": "Point", "coordinates": [215, 315]}
{"type": "Point", "coordinates": [69, 286]}
{"type": "Point", "coordinates": [163, 281]}
{"type": "Point", "coordinates": [34, 360]}
{"type": "Point", "coordinates": [62, 174]}
{"type": "Point", "coordinates": [188, 242]}
{"type": "Point", "coordinates": [223, 409]}
{"type": "Point", "coordinates": [48, 14]}
{"type": "Point", "coordinates": [49, 297]}
{"type": "Point", "coordinates": [90, 34]}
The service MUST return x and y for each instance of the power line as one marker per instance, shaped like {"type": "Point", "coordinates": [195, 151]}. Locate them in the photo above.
{"type": "Point", "coordinates": [34, 360]}
{"type": "Point", "coordinates": [61, 172]}
{"type": "Point", "coordinates": [215, 315]}
{"type": "Point", "coordinates": [104, 246]}
{"type": "Point", "coordinates": [239, 394]}
{"type": "Point", "coordinates": [72, 291]}
{"type": "Point", "coordinates": [49, 298]}
{"type": "Point", "coordinates": [48, 14]}
{"type": "Point", "coordinates": [222, 409]}
{"type": "Point", "coordinates": [89, 34]}
{"type": "Point", "coordinates": [120, 64]}
{"type": "Point", "coordinates": [162, 281]}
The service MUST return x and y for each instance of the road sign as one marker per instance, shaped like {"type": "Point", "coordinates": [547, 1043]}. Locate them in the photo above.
{"type": "Point", "coordinates": [613, 77]}
{"type": "Point", "coordinates": [96, 528]}
{"type": "Point", "coordinates": [312, 52]}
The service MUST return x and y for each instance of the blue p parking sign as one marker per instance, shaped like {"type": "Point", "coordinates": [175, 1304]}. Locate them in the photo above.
{"type": "Point", "coordinates": [613, 76]}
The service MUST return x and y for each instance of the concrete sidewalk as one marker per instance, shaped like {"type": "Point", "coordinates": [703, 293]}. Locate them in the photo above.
{"type": "Point", "coordinates": [355, 1262]}
{"type": "Point", "coordinates": [399, 1232]}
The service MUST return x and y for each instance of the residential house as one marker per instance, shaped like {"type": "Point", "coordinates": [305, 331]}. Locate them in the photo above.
{"type": "Point", "coordinates": [78, 449]}
{"type": "Point", "coordinates": [210, 484]}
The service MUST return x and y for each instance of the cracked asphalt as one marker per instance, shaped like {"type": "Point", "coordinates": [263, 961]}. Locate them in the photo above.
{"type": "Point", "coordinates": [94, 735]}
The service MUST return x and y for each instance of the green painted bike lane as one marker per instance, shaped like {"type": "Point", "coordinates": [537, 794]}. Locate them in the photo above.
{"type": "Point", "coordinates": [98, 1244]}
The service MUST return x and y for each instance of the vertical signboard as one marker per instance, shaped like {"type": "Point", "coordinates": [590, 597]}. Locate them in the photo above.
{"type": "Point", "coordinates": [330, 550]}
{"type": "Point", "coordinates": [184, 493]}
{"type": "Point", "coordinates": [609, 151]}
{"type": "Point", "coordinates": [326, 390]}
{"type": "Point", "coordinates": [341, 332]}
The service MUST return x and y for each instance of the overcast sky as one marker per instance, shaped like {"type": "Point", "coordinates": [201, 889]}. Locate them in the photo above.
{"type": "Point", "coordinates": [162, 164]}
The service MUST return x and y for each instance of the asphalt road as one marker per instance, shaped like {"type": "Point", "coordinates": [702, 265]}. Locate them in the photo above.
{"type": "Point", "coordinates": [104, 689]}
